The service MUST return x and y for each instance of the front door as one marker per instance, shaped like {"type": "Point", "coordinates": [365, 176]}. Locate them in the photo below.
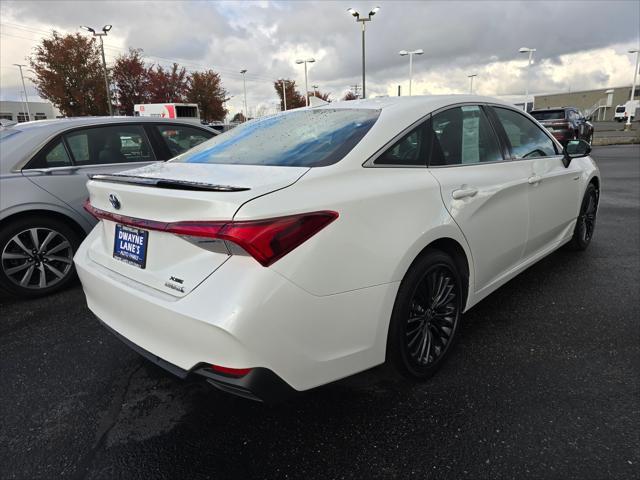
{"type": "Point", "coordinates": [553, 189]}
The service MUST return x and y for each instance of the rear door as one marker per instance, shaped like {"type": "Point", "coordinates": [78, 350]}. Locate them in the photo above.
{"type": "Point", "coordinates": [485, 195]}
{"type": "Point", "coordinates": [552, 188]}
{"type": "Point", "coordinates": [62, 168]}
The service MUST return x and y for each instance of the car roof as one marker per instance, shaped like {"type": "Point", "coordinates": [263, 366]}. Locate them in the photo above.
{"type": "Point", "coordinates": [406, 110]}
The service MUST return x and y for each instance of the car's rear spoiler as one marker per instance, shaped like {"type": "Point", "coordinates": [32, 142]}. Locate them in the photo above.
{"type": "Point", "coordinates": [165, 183]}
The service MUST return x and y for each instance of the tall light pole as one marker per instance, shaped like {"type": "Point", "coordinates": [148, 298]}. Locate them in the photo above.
{"type": "Point", "coordinates": [411, 53]}
{"type": "Point", "coordinates": [363, 21]}
{"type": "Point", "coordinates": [315, 90]}
{"type": "Point", "coordinates": [306, 79]}
{"type": "Point", "coordinates": [471, 82]}
{"type": "Point", "coordinates": [103, 33]}
{"type": "Point", "coordinates": [244, 83]}
{"type": "Point", "coordinates": [526, 94]}
{"type": "Point", "coordinates": [284, 94]}
{"type": "Point", "coordinates": [26, 98]}
{"type": "Point", "coordinates": [633, 89]}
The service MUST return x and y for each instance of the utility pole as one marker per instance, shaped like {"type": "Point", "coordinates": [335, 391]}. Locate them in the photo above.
{"type": "Point", "coordinates": [244, 82]}
{"type": "Point", "coordinates": [471, 82]}
{"type": "Point", "coordinates": [315, 90]}
{"type": "Point", "coordinates": [105, 29]}
{"type": "Point", "coordinates": [26, 98]}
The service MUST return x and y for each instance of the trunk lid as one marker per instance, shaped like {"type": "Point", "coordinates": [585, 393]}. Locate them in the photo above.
{"type": "Point", "coordinates": [167, 193]}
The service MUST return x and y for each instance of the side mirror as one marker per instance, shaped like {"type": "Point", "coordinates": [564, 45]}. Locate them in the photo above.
{"type": "Point", "coordinates": [575, 149]}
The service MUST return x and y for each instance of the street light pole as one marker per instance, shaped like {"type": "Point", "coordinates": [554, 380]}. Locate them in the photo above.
{"type": "Point", "coordinates": [306, 79]}
{"type": "Point", "coordinates": [284, 94]}
{"type": "Point", "coordinates": [26, 98]}
{"type": "Point", "coordinates": [105, 29]}
{"type": "Point", "coordinates": [526, 94]}
{"type": "Point", "coordinates": [315, 90]}
{"type": "Point", "coordinates": [633, 89]}
{"type": "Point", "coordinates": [244, 83]}
{"type": "Point", "coordinates": [471, 82]}
{"type": "Point", "coordinates": [362, 21]}
{"type": "Point", "coordinates": [411, 53]}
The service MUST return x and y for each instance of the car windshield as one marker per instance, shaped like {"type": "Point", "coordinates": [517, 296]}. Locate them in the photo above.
{"type": "Point", "coordinates": [303, 138]}
{"type": "Point", "coordinates": [548, 115]}
{"type": "Point", "coordinates": [620, 109]}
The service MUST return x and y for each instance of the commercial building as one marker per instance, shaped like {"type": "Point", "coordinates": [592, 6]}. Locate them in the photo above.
{"type": "Point", "coordinates": [15, 111]}
{"type": "Point", "coordinates": [599, 104]}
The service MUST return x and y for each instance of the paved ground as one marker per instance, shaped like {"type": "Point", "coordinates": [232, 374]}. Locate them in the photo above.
{"type": "Point", "coordinates": [543, 384]}
{"type": "Point", "coordinates": [606, 133]}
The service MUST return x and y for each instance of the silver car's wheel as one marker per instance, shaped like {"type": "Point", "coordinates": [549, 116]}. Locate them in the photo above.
{"type": "Point", "coordinates": [36, 256]}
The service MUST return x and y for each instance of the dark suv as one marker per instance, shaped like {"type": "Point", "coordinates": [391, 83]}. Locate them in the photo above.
{"type": "Point", "coordinates": [565, 123]}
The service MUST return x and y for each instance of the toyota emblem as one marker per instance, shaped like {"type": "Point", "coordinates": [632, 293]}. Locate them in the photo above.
{"type": "Point", "coordinates": [115, 203]}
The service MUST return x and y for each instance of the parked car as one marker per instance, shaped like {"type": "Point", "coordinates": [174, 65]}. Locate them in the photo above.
{"type": "Point", "coordinates": [43, 174]}
{"type": "Point", "coordinates": [566, 123]}
{"type": "Point", "coordinates": [307, 246]}
{"type": "Point", "coordinates": [620, 113]}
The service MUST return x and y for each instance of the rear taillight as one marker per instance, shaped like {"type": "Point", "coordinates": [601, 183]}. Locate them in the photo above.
{"type": "Point", "coordinates": [265, 240]}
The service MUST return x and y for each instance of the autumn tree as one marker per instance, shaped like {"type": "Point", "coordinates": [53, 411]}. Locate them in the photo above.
{"type": "Point", "coordinates": [294, 98]}
{"type": "Point", "coordinates": [350, 95]}
{"type": "Point", "coordinates": [322, 95]}
{"type": "Point", "coordinates": [168, 86]}
{"type": "Point", "coordinates": [238, 117]}
{"type": "Point", "coordinates": [131, 79]}
{"type": "Point", "coordinates": [68, 73]}
{"type": "Point", "coordinates": [205, 89]}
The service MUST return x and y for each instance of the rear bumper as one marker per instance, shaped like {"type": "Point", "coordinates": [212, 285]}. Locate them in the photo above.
{"type": "Point", "coordinates": [244, 316]}
{"type": "Point", "coordinates": [260, 384]}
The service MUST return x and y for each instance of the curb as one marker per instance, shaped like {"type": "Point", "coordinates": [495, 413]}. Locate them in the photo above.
{"type": "Point", "coordinates": [600, 142]}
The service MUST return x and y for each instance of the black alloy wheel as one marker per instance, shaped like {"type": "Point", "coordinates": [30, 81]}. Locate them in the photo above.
{"type": "Point", "coordinates": [426, 316]}
{"type": "Point", "coordinates": [586, 222]}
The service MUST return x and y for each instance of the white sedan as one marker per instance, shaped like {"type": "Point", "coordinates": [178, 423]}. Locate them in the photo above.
{"type": "Point", "coordinates": [304, 247]}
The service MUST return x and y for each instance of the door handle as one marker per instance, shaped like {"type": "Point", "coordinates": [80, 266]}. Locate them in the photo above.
{"type": "Point", "coordinates": [463, 192]}
{"type": "Point", "coordinates": [534, 179]}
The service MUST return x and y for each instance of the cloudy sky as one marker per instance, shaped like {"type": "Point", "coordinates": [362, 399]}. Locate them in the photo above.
{"type": "Point", "coordinates": [580, 44]}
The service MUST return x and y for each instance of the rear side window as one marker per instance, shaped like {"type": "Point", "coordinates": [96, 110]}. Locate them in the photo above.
{"type": "Point", "coordinates": [179, 138]}
{"type": "Point", "coordinates": [409, 150]}
{"type": "Point", "coordinates": [541, 116]}
{"type": "Point", "coordinates": [113, 144]}
{"type": "Point", "coordinates": [526, 138]}
{"type": "Point", "coordinates": [56, 156]}
{"type": "Point", "coordinates": [302, 138]}
{"type": "Point", "coordinates": [463, 135]}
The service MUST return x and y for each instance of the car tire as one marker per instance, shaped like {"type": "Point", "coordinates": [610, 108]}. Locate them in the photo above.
{"type": "Point", "coordinates": [586, 222]}
{"type": "Point", "coordinates": [426, 316]}
{"type": "Point", "coordinates": [33, 267]}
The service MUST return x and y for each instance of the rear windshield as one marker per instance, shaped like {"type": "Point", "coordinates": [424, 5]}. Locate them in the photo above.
{"type": "Point", "coordinates": [303, 138]}
{"type": "Point", "coordinates": [548, 115]}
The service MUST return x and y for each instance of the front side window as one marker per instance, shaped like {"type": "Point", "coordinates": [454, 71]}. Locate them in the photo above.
{"type": "Point", "coordinates": [113, 144]}
{"type": "Point", "coordinates": [303, 138]}
{"type": "Point", "coordinates": [409, 150]}
{"type": "Point", "coordinates": [526, 138]}
{"type": "Point", "coordinates": [463, 135]}
{"type": "Point", "coordinates": [179, 138]}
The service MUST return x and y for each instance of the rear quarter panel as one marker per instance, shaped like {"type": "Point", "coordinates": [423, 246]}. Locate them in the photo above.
{"type": "Point", "coordinates": [387, 217]}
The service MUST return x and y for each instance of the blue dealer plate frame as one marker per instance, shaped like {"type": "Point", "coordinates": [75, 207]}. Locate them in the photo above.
{"type": "Point", "coordinates": [130, 245]}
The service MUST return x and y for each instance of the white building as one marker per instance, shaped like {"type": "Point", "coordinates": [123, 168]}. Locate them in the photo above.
{"type": "Point", "coordinates": [15, 111]}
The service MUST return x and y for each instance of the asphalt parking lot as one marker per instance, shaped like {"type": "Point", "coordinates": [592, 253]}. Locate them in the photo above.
{"type": "Point", "coordinates": [544, 383]}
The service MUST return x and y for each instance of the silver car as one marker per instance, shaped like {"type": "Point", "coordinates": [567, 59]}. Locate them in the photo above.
{"type": "Point", "coordinates": [43, 172]}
